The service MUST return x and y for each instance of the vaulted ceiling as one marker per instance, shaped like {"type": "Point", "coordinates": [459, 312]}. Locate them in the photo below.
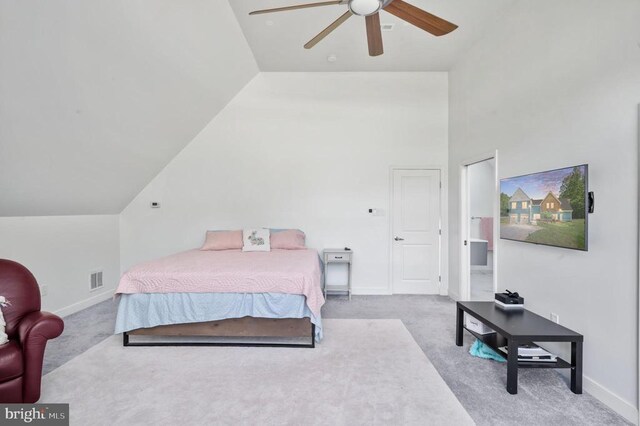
{"type": "Point", "coordinates": [277, 39]}
{"type": "Point", "coordinates": [97, 96]}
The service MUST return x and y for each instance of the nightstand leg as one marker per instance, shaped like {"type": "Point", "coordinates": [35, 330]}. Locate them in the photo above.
{"type": "Point", "coordinates": [349, 278]}
{"type": "Point", "coordinates": [324, 280]}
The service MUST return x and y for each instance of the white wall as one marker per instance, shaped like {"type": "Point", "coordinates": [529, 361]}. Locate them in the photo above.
{"type": "Point", "coordinates": [298, 150]}
{"type": "Point", "coordinates": [61, 252]}
{"type": "Point", "coordinates": [558, 84]}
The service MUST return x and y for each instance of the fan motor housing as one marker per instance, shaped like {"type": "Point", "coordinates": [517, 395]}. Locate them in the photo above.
{"type": "Point", "coordinates": [365, 7]}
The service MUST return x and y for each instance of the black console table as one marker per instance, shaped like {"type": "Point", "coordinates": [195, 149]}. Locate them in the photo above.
{"type": "Point", "coordinates": [516, 327]}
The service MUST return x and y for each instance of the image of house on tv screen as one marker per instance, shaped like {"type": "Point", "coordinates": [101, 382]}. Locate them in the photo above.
{"type": "Point", "coordinates": [546, 208]}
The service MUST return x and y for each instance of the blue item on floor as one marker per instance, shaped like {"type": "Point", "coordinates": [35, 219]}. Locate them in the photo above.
{"type": "Point", "coordinates": [481, 350]}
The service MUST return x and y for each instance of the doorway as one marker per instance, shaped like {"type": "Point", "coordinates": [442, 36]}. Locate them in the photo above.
{"type": "Point", "coordinates": [415, 231]}
{"type": "Point", "coordinates": [480, 221]}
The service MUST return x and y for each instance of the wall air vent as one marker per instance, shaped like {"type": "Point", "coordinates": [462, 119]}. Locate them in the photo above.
{"type": "Point", "coordinates": [96, 280]}
{"type": "Point", "coordinates": [386, 27]}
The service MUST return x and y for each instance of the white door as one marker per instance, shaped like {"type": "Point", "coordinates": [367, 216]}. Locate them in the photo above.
{"type": "Point", "coordinates": [416, 232]}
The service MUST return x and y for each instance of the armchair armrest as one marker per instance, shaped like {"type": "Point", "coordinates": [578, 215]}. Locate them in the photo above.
{"type": "Point", "coordinates": [39, 325]}
{"type": "Point", "coordinates": [34, 331]}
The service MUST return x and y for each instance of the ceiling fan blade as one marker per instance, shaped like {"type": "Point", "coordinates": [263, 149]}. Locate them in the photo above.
{"type": "Point", "coordinates": [374, 35]}
{"type": "Point", "coordinates": [421, 19]}
{"type": "Point", "coordinates": [335, 24]}
{"type": "Point", "coordinates": [297, 6]}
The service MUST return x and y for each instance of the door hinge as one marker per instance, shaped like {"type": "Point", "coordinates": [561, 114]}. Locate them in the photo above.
{"type": "Point", "coordinates": [439, 231]}
{"type": "Point", "coordinates": [440, 278]}
{"type": "Point", "coordinates": [440, 184]}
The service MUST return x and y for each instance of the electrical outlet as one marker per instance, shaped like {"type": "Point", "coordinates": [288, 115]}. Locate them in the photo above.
{"type": "Point", "coordinates": [555, 318]}
{"type": "Point", "coordinates": [44, 290]}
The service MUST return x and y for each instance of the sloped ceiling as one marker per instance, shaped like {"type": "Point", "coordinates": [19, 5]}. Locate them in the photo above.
{"type": "Point", "coordinates": [277, 39]}
{"type": "Point", "coordinates": [97, 96]}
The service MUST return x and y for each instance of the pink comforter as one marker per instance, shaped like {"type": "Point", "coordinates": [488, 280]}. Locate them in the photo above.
{"type": "Point", "coordinates": [230, 271]}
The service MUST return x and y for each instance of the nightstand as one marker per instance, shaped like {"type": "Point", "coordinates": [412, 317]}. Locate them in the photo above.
{"type": "Point", "coordinates": [342, 256]}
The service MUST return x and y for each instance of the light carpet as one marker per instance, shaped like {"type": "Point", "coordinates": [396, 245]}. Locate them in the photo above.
{"type": "Point", "coordinates": [363, 372]}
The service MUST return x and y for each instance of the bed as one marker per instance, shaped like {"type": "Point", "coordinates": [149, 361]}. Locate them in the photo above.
{"type": "Point", "coordinates": [240, 298]}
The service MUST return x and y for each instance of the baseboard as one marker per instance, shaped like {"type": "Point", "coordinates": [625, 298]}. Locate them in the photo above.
{"type": "Point", "coordinates": [83, 304]}
{"type": "Point", "coordinates": [454, 295]}
{"type": "Point", "coordinates": [444, 290]}
{"type": "Point", "coordinates": [371, 291]}
{"type": "Point", "coordinates": [610, 399]}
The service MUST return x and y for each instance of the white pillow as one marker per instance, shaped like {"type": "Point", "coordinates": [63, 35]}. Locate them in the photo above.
{"type": "Point", "coordinates": [256, 239]}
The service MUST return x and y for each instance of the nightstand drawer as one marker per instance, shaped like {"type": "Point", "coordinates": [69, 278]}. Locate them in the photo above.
{"type": "Point", "coordinates": [338, 257]}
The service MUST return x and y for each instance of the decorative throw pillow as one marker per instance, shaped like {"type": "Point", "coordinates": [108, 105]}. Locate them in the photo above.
{"type": "Point", "coordinates": [223, 240]}
{"type": "Point", "coordinates": [256, 239]}
{"type": "Point", "coordinates": [288, 239]}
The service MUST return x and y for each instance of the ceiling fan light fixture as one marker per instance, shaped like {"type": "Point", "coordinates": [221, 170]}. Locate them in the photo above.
{"type": "Point", "coordinates": [364, 7]}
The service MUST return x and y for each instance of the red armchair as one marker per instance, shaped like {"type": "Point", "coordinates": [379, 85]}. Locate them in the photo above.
{"type": "Point", "coordinates": [28, 330]}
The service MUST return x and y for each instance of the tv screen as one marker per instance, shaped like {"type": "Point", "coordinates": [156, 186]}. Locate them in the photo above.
{"type": "Point", "coordinates": [548, 208]}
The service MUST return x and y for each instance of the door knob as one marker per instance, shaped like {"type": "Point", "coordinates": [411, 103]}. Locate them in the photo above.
{"type": "Point", "coordinates": [399, 239]}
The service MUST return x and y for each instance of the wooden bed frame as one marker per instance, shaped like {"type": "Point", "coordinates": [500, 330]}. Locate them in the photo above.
{"type": "Point", "coordinates": [245, 328]}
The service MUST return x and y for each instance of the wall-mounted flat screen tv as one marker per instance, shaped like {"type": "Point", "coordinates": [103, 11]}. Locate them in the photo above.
{"type": "Point", "coordinates": [549, 208]}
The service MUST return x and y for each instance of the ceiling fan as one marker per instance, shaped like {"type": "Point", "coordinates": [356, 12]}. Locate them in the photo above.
{"type": "Point", "coordinates": [370, 10]}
